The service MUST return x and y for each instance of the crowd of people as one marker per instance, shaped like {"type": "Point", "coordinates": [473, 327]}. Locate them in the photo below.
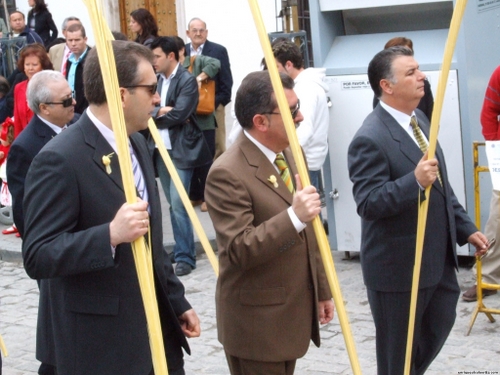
{"type": "Point", "coordinates": [69, 208]}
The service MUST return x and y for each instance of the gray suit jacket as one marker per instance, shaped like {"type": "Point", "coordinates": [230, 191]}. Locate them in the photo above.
{"type": "Point", "coordinates": [382, 159]}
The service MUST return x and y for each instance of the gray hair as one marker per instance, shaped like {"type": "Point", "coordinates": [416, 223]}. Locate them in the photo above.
{"type": "Point", "coordinates": [67, 19]}
{"type": "Point", "coordinates": [38, 91]}
{"type": "Point", "coordinates": [196, 19]}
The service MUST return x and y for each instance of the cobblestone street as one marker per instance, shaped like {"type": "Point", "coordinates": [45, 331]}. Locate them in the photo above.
{"type": "Point", "coordinates": [461, 354]}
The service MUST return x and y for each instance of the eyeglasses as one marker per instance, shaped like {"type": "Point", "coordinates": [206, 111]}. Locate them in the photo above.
{"type": "Point", "coordinates": [65, 103]}
{"type": "Point", "coordinates": [151, 88]}
{"type": "Point", "coordinates": [293, 111]}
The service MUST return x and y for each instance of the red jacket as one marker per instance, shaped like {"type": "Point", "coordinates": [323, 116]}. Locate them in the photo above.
{"type": "Point", "coordinates": [491, 108]}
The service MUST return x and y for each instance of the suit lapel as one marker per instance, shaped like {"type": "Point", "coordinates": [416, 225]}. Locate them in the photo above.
{"type": "Point", "coordinates": [95, 140]}
{"type": "Point", "coordinates": [264, 169]}
{"type": "Point", "coordinates": [43, 130]}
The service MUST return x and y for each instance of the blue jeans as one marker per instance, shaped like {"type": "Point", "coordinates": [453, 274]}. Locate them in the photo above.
{"type": "Point", "coordinates": [181, 224]}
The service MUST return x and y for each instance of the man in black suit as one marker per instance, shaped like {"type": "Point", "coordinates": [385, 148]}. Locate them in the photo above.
{"type": "Point", "coordinates": [197, 32]}
{"type": "Point", "coordinates": [175, 117]}
{"type": "Point", "coordinates": [390, 173]}
{"type": "Point", "coordinates": [50, 99]}
{"type": "Point", "coordinates": [78, 230]}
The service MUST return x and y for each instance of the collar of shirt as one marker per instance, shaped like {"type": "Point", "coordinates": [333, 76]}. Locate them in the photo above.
{"type": "Point", "coordinates": [72, 56]}
{"type": "Point", "coordinates": [166, 84]}
{"type": "Point", "coordinates": [55, 128]}
{"type": "Point", "coordinates": [402, 119]}
{"type": "Point", "coordinates": [106, 132]}
{"type": "Point", "coordinates": [196, 52]}
{"type": "Point", "coordinates": [269, 154]}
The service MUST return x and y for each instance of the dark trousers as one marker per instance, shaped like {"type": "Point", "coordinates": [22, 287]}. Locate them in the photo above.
{"type": "Point", "coordinates": [434, 319]}
{"type": "Point", "coordinates": [197, 187]}
{"type": "Point", "coordinates": [240, 366]}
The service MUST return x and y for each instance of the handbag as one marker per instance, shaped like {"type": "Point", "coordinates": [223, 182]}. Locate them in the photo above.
{"type": "Point", "coordinates": [206, 102]}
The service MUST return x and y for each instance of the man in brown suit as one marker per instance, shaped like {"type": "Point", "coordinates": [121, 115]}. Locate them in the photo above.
{"type": "Point", "coordinates": [272, 288]}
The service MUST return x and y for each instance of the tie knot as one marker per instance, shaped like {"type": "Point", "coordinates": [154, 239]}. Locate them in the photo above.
{"type": "Point", "coordinates": [279, 157]}
{"type": "Point", "coordinates": [413, 121]}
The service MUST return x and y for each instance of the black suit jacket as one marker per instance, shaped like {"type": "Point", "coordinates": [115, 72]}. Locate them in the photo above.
{"type": "Point", "coordinates": [223, 79]}
{"type": "Point", "coordinates": [22, 151]}
{"type": "Point", "coordinates": [79, 94]}
{"type": "Point", "coordinates": [181, 121]}
{"type": "Point", "coordinates": [96, 306]}
{"type": "Point", "coordinates": [44, 26]}
{"type": "Point", "coordinates": [382, 159]}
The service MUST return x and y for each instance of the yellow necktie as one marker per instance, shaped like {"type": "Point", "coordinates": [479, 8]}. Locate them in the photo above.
{"type": "Point", "coordinates": [421, 142]}
{"type": "Point", "coordinates": [284, 172]}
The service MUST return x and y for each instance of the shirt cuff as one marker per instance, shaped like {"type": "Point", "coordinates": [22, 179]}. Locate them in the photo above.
{"type": "Point", "coordinates": [299, 225]}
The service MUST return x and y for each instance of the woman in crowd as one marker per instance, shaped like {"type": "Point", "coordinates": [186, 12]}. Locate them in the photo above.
{"type": "Point", "coordinates": [40, 20]}
{"type": "Point", "coordinates": [144, 25]}
{"type": "Point", "coordinates": [32, 59]}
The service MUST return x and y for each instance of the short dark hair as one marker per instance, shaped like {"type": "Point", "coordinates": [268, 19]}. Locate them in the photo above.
{"type": "Point", "coordinates": [167, 44]}
{"type": "Point", "coordinates": [381, 66]}
{"type": "Point", "coordinates": [77, 27]}
{"type": "Point", "coordinates": [119, 35]}
{"type": "Point", "coordinates": [37, 50]}
{"type": "Point", "coordinates": [285, 50]}
{"type": "Point", "coordinates": [148, 24]}
{"type": "Point", "coordinates": [128, 55]}
{"type": "Point", "coordinates": [256, 96]}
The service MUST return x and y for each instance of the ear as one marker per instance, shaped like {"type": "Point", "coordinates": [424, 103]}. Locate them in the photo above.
{"type": "Point", "coordinates": [386, 86]}
{"type": "Point", "coordinates": [260, 123]}
{"type": "Point", "coordinates": [43, 108]}
{"type": "Point", "coordinates": [288, 65]}
{"type": "Point", "coordinates": [123, 94]}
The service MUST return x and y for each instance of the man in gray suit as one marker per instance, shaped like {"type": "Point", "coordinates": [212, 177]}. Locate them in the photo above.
{"type": "Point", "coordinates": [390, 172]}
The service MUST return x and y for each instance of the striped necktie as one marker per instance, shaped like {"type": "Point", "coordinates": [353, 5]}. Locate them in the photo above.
{"type": "Point", "coordinates": [421, 142]}
{"type": "Point", "coordinates": [138, 178]}
{"type": "Point", "coordinates": [284, 172]}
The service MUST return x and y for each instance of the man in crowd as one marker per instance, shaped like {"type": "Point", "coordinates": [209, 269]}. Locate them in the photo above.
{"type": "Point", "coordinates": [175, 117]}
{"type": "Point", "coordinates": [59, 53]}
{"type": "Point", "coordinates": [389, 168]}
{"type": "Point", "coordinates": [50, 99]}
{"type": "Point", "coordinates": [272, 288]}
{"type": "Point", "coordinates": [78, 230]}
{"type": "Point", "coordinates": [76, 39]}
{"type": "Point", "coordinates": [491, 132]}
{"type": "Point", "coordinates": [311, 91]}
{"type": "Point", "coordinates": [197, 33]}
{"type": "Point", "coordinates": [19, 28]}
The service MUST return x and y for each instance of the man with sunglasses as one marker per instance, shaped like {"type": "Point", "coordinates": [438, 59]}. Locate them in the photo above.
{"type": "Point", "coordinates": [49, 97]}
{"type": "Point", "coordinates": [311, 90]}
{"type": "Point", "coordinates": [79, 229]}
{"type": "Point", "coordinates": [272, 289]}
{"type": "Point", "coordinates": [175, 117]}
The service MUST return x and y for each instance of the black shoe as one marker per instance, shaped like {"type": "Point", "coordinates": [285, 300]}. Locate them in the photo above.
{"type": "Point", "coordinates": [182, 269]}
{"type": "Point", "coordinates": [171, 256]}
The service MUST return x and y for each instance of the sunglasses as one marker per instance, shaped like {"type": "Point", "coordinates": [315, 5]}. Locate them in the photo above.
{"type": "Point", "coordinates": [293, 111]}
{"type": "Point", "coordinates": [65, 103]}
{"type": "Point", "coordinates": [151, 88]}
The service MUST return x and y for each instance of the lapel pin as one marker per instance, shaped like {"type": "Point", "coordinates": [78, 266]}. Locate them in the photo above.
{"type": "Point", "coordinates": [106, 160]}
{"type": "Point", "coordinates": [272, 180]}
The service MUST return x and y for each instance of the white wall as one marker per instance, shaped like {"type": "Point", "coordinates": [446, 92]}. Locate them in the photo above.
{"type": "Point", "coordinates": [230, 23]}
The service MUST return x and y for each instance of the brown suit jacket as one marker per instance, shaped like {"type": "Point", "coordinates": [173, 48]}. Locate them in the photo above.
{"type": "Point", "coordinates": [271, 277]}
{"type": "Point", "coordinates": [56, 54]}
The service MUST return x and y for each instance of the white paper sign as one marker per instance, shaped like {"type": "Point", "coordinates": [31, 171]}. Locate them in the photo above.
{"type": "Point", "coordinates": [493, 155]}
